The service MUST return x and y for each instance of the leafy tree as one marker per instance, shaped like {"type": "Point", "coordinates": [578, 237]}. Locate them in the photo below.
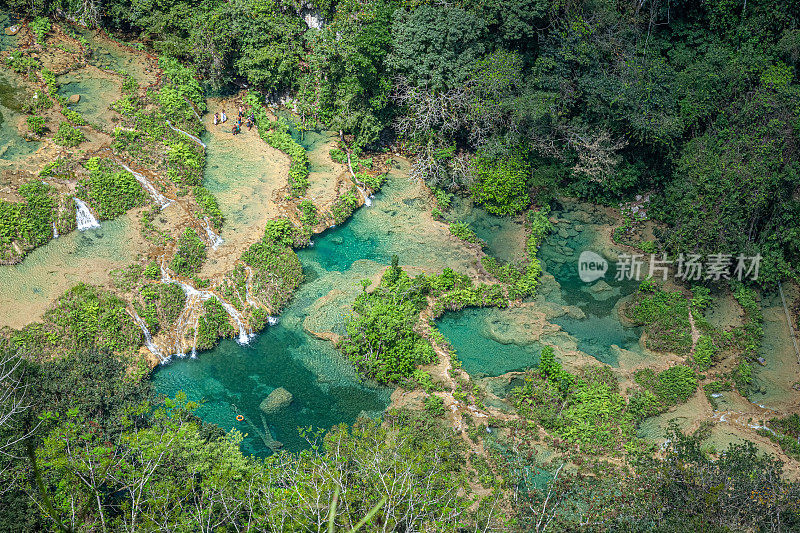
{"type": "Point", "coordinates": [501, 184]}
{"type": "Point", "coordinates": [435, 47]}
{"type": "Point", "coordinates": [190, 255]}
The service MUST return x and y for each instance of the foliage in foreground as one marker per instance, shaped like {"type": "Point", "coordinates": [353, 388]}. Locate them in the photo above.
{"type": "Point", "coordinates": [103, 457]}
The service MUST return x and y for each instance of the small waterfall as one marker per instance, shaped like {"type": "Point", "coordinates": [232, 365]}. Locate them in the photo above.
{"type": "Point", "coordinates": [84, 217]}
{"type": "Point", "coordinates": [194, 341]}
{"type": "Point", "coordinates": [215, 239]}
{"type": "Point", "coordinates": [192, 137]}
{"type": "Point", "coordinates": [160, 199]}
{"type": "Point", "coordinates": [55, 230]}
{"type": "Point", "coordinates": [249, 283]}
{"type": "Point", "coordinates": [148, 339]}
{"type": "Point", "coordinates": [367, 200]}
{"type": "Point", "coordinates": [272, 321]}
{"type": "Point", "coordinates": [244, 334]}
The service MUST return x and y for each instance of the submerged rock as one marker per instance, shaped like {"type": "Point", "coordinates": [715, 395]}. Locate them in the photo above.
{"type": "Point", "coordinates": [600, 286]}
{"type": "Point", "coordinates": [278, 399]}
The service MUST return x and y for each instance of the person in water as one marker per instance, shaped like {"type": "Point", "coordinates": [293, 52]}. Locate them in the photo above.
{"type": "Point", "coordinates": [216, 118]}
{"type": "Point", "coordinates": [224, 116]}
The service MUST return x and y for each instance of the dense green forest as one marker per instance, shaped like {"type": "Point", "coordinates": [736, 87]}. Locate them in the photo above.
{"type": "Point", "coordinates": [695, 103]}
{"type": "Point", "coordinates": [517, 101]}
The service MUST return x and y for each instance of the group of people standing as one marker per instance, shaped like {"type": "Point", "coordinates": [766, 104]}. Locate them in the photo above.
{"type": "Point", "coordinates": [250, 121]}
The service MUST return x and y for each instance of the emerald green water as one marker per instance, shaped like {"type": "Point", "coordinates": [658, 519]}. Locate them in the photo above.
{"type": "Point", "coordinates": [504, 236]}
{"type": "Point", "coordinates": [27, 289]}
{"type": "Point", "coordinates": [241, 173]}
{"type": "Point", "coordinates": [491, 342]}
{"type": "Point", "coordinates": [772, 383]}
{"type": "Point", "coordinates": [326, 389]}
{"type": "Point", "coordinates": [96, 94]}
{"type": "Point", "coordinates": [482, 353]}
{"type": "Point", "coordinates": [581, 227]}
{"type": "Point", "coordinates": [110, 56]}
{"type": "Point", "coordinates": [7, 42]}
{"type": "Point", "coordinates": [13, 146]}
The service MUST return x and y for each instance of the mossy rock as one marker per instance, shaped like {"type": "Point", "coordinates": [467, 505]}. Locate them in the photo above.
{"type": "Point", "coordinates": [278, 399]}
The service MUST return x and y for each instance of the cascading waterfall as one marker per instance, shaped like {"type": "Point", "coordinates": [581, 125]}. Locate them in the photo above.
{"type": "Point", "coordinates": [148, 339]}
{"type": "Point", "coordinates": [192, 137]}
{"type": "Point", "coordinates": [244, 334]}
{"type": "Point", "coordinates": [194, 341]}
{"type": "Point", "coordinates": [367, 200]}
{"type": "Point", "coordinates": [84, 217]}
{"type": "Point", "coordinates": [271, 320]}
{"type": "Point", "coordinates": [249, 283]}
{"type": "Point", "coordinates": [160, 199]}
{"type": "Point", "coordinates": [215, 239]}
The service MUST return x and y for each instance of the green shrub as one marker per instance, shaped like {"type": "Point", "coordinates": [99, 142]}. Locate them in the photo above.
{"type": "Point", "coordinates": [20, 63]}
{"type": "Point", "coordinates": [38, 102]}
{"type": "Point", "coordinates": [381, 340]}
{"type": "Point", "coordinates": [462, 231]}
{"type": "Point", "coordinates": [501, 184]}
{"type": "Point", "coordinates": [50, 79]}
{"type": "Point", "coordinates": [643, 404]}
{"type": "Point", "coordinates": [152, 271]}
{"type": "Point", "coordinates": [374, 182]}
{"type": "Point", "coordinates": [704, 353]}
{"type": "Point", "coordinates": [190, 254]}
{"type": "Point", "coordinates": [344, 206]}
{"type": "Point", "coordinates": [172, 299]}
{"type": "Point", "coordinates": [31, 221]}
{"type": "Point", "coordinates": [277, 135]}
{"type": "Point", "coordinates": [443, 198]}
{"type": "Point", "coordinates": [213, 324]}
{"type": "Point", "coordinates": [88, 318]}
{"type": "Point", "coordinates": [35, 124]}
{"type": "Point", "coordinates": [68, 135]}
{"type": "Point", "coordinates": [743, 377]}
{"type": "Point", "coordinates": [183, 83]}
{"type": "Point", "coordinates": [648, 247]}
{"type": "Point", "coordinates": [209, 206]}
{"type": "Point", "coordinates": [665, 316]}
{"type": "Point", "coordinates": [73, 116]}
{"type": "Point", "coordinates": [505, 273]}
{"type": "Point", "coordinates": [338, 156]}
{"type": "Point", "coordinates": [434, 405]}
{"type": "Point", "coordinates": [111, 190]}
{"type": "Point", "coordinates": [308, 213]}
{"type": "Point", "coordinates": [676, 384]}
{"type": "Point", "coordinates": [279, 232]}
{"type": "Point", "coordinates": [129, 85]}
{"type": "Point", "coordinates": [40, 26]}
